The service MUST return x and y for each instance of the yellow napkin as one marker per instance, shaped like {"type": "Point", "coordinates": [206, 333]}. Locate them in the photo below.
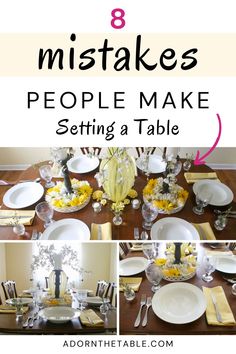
{"type": "Point", "coordinates": [205, 228]}
{"type": "Point", "coordinates": [11, 309]}
{"type": "Point", "coordinates": [90, 319]}
{"type": "Point", "coordinates": [192, 177]}
{"type": "Point", "coordinates": [106, 232]}
{"type": "Point", "coordinates": [10, 221]}
{"type": "Point", "coordinates": [134, 283]}
{"type": "Point", "coordinates": [223, 305]}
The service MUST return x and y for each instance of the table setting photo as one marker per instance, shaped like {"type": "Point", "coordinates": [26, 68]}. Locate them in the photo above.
{"type": "Point", "coordinates": [116, 194]}
{"type": "Point", "coordinates": [49, 288]}
{"type": "Point", "coordinates": [177, 288]}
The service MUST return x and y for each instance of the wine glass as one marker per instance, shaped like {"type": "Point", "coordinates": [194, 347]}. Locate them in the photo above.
{"type": "Point", "coordinates": [46, 173]}
{"type": "Point", "coordinates": [45, 213]}
{"type": "Point", "coordinates": [154, 276]}
{"type": "Point", "coordinates": [149, 214]}
{"type": "Point", "coordinates": [202, 200]}
{"type": "Point", "coordinates": [81, 297]}
{"type": "Point", "coordinates": [209, 266]}
{"type": "Point", "coordinates": [149, 251]}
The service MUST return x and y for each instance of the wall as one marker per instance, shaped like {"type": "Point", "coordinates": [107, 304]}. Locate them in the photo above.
{"type": "Point", "coordinates": [2, 267]}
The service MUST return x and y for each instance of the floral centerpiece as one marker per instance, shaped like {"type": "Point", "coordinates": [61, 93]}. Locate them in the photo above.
{"type": "Point", "coordinates": [65, 202]}
{"type": "Point", "coordinates": [165, 195]}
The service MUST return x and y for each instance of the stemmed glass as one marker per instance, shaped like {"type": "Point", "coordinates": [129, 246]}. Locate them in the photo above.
{"type": "Point", "coordinates": [81, 297]}
{"type": "Point", "coordinates": [149, 214]}
{"type": "Point", "coordinates": [154, 276]}
{"type": "Point", "coordinates": [202, 200]}
{"type": "Point", "coordinates": [45, 213]}
{"type": "Point", "coordinates": [149, 251]}
{"type": "Point", "coordinates": [46, 173]}
{"type": "Point", "coordinates": [209, 266]}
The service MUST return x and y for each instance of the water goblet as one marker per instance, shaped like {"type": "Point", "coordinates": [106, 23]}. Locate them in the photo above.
{"type": "Point", "coordinates": [81, 297]}
{"type": "Point", "coordinates": [154, 276]}
{"type": "Point", "coordinates": [202, 200]}
{"type": "Point", "coordinates": [149, 214]}
{"type": "Point", "coordinates": [209, 266]}
{"type": "Point", "coordinates": [149, 251]}
{"type": "Point", "coordinates": [45, 213]}
{"type": "Point", "coordinates": [105, 307]}
{"type": "Point", "coordinates": [46, 173]}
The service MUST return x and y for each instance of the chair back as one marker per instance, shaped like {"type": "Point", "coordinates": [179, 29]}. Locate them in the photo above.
{"type": "Point", "coordinates": [94, 150]}
{"type": "Point", "coordinates": [9, 289]}
{"type": "Point", "coordinates": [141, 150]}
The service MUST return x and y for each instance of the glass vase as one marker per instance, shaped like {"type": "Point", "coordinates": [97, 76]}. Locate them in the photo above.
{"type": "Point", "coordinates": [117, 220]}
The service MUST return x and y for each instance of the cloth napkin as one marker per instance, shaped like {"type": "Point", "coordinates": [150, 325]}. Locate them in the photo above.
{"type": "Point", "coordinates": [11, 309]}
{"type": "Point", "coordinates": [27, 220]}
{"type": "Point", "coordinates": [106, 232]}
{"type": "Point", "coordinates": [136, 247]}
{"type": "Point", "coordinates": [134, 283]}
{"type": "Point", "coordinates": [219, 253]}
{"type": "Point", "coordinates": [206, 230]}
{"type": "Point", "coordinates": [192, 177]}
{"type": "Point", "coordinates": [223, 305]}
{"type": "Point", "coordinates": [90, 319]}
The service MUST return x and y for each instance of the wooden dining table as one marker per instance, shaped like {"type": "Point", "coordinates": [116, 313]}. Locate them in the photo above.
{"type": "Point", "coordinates": [9, 324]}
{"type": "Point", "coordinates": [155, 325]}
{"type": "Point", "coordinates": [131, 217]}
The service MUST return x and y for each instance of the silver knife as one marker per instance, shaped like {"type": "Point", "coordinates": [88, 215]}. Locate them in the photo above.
{"type": "Point", "coordinates": [218, 315]}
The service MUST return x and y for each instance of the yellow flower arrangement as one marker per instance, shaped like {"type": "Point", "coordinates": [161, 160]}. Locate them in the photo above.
{"type": "Point", "coordinates": [57, 196]}
{"type": "Point", "coordinates": [164, 195]}
{"type": "Point", "coordinates": [118, 206]}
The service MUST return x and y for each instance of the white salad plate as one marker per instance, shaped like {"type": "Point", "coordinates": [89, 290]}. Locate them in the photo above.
{"type": "Point", "coordinates": [23, 195]}
{"type": "Point", "coordinates": [226, 264]}
{"type": "Point", "coordinates": [220, 194]}
{"type": "Point", "coordinates": [59, 314]}
{"type": "Point", "coordinates": [95, 300]}
{"type": "Point", "coordinates": [131, 266]}
{"type": "Point", "coordinates": [24, 300]}
{"type": "Point", "coordinates": [67, 229]}
{"type": "Point", "coordinates": [179, 303]}
{"type": "Point", "coordinates": [171, 228]}
{"type": "Point", "coordinates": [83, 164]}
{"type": "Point", "coordinates": [155, 164]}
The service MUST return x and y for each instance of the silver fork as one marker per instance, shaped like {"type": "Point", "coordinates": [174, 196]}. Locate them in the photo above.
{"type": "Point", "coordinates": [148, 304]}
{"type": "Point", "coordinates": [34, 318]}
{"type": "Point", "coordinates": [26, 323]}
{"type": "Point", "coordinates": [142, 303]}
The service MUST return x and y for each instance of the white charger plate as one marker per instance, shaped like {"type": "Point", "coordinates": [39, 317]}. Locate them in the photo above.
{"type": "Point", "coordinates": [226, 264]}
{"type": "Point", "coordinates": [155, 164]}
{"type": "Point", "coordinates": [221, 194]}
{"type": "Point", "coordinates": [133, 265]}
{"type": "Point", "coordinates": [59, 314]}
{"type": "Point", "coordinates": [82, 164]}
{"type": "Point", "coordinates": [67, 229]}
{"type": "Point", "coordinates": [23, 195]}
{"type": "Point", "coordinates": [179, 303]}
{"type": "Point", "coordinates": [171, 228]}
{"type": "Point", "coordinates": [24, 300]}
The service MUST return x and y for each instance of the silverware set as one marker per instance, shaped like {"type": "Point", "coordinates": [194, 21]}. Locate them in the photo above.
{"type": "Point", "coordinates": [143, 236]}
{"type": "Point", "coordinates": [29, 322]}
{"type": "Point", "coordinates": [144, 302]}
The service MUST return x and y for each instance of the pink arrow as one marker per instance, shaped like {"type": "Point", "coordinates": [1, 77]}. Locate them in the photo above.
{"type": "Point", "coordinates": [199, 160]}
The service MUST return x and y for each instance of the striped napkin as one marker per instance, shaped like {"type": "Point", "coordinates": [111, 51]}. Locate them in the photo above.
{"type": "Point", "coordinates": [105, 232]}
{"type": "Point", "coordinates": [8, 217]}
{"type": "Point", "coordinates": [223, 306]}
{"type": "Point", "coordinates": [205, 231]}
{"type": "Point", "coordinates": [192, 177]}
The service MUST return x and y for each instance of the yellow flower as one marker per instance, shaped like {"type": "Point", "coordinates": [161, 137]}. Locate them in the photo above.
{"type": "Point", "coordinates": [126, 201]}
{"type": "Point", "coordinates": [118, 206]}
{"type": "Point", "coordinates": [160, 261]}
{"type": "Point", "coordinates": [182, 194]}
{"type": "Point", "coordinates": [85, 189]}
{"type": "Point", "coordinates": [103, 202]}
{"type": "Point", "coordinates": [163, 205]}
{"type": "Point", "coordinates": [171, 272]}
{"type": "Point", "coordinates": [132, 193]}
{"type": "Point", "coordinates": [97, 195]}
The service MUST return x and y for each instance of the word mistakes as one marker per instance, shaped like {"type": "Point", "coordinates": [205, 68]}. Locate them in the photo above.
{"type": "Point", "coordinates": [108, 131]}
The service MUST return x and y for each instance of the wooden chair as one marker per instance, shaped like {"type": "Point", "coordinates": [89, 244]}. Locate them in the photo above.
{"type": "Point", "coordinates": [102, 288]}
{"type": "Point", "coordinates": [87, 150]}
{"type": "Point", "coordinates": [9, 289]}
{"type": "Point", "coordinates": [232, 246]}
{"type": "Point", "coordinates": [0, 300]}
{"type": "Point", "coordinates": [111, 293]}
{"type": "Point", "coordinates": [140, 151]}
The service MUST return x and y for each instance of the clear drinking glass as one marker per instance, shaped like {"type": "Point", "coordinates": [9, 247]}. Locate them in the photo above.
{"type": "Point", "coordinates": [209, 266]}
{"type": "Point", "coordinates": [149, 251]}
{"type": "Point", "coordinates": [136, 233]}
{"type": "Point", "coordinates": [202, 200]}
{"type": "Point", "coordinates": [149, 214]}
{"type": "Point", "coordinates": [46, 173]}
{"type": "Point", "coordinates": [45, 213]}
{"type": "Point", "coordinates": [154, 276]}
{"type": "Point", "coordinates": [81, 297]}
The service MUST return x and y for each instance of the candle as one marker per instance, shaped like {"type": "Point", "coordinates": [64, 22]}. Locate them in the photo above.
{"type": "Point", "coordinates": [97, 207]}
{"type": "Point", "coordinates": [135, 203]}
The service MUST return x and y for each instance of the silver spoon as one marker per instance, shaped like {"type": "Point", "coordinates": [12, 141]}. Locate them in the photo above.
{"type": "Point", "coordinates": [144, 235]}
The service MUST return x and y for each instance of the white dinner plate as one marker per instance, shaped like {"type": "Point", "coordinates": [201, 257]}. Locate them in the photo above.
{"type": "Point", "coordinates": [23, 195]}
{"type": "Point", "coordinates": [171, 228]}
{"type": "Point", "coordinates": [133, 265]}
{"type": "Point", "coordinates": [82, 164]}
{"type": "Point", "coordinates": [221, 194]}
{"type": "Point", "coordinates": [95, 300]}
{"type": "Point", "coordinates": [24, 300]}
{"type": "Point", "coordinates": [155, 164]}
{"type": "Point", "coordinates": [226, 264]}
{"type": "Point", "coordinates": [179, 303]}
{"type": "Point", "coordinates": [67, 229]}
{"type": "Point", "coordinates": [59, 314]}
